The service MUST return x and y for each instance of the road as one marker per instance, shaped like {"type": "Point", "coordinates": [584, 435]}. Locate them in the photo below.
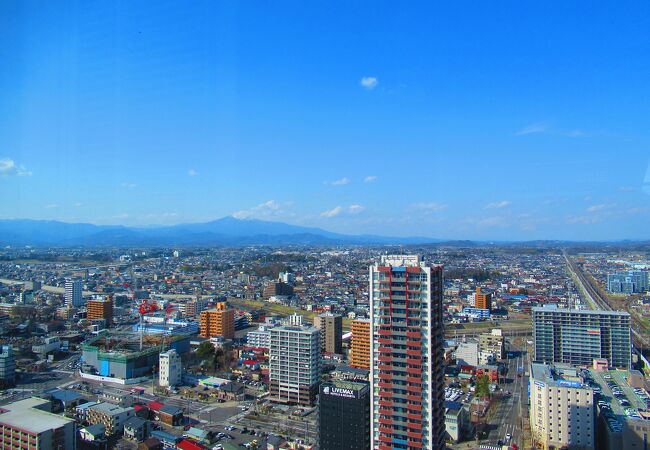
{"type": "Point", "coordinates": [507, 418]}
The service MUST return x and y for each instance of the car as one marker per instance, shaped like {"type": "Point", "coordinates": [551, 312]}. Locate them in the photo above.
{"type": "Point", "coordinates": [508, 436]}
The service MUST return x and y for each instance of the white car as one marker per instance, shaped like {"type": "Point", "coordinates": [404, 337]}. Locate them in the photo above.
{"type": "Point", "coordinates": [508, 436]}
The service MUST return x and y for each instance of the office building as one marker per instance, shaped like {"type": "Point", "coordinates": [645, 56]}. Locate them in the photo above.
{"type": "Point", "coordinates": [218, 322]}
{"type": "Point", "coordinates": [7, 367]}
{"type": "Point", "coordinates": [482, 300]}
{"type": "Point", "coordinates": [407, 389]}
{"type": "Point", "coordinates": [170, 369]}
{"type": "Point", "coordinates": [628, 281]}
{"type": "Point", "coordinates": [360, 344]}
{"type": "Point", "coordinates": [28, 424]}
{"type": "Point", "coordinates": [562, 410]}
{"type": "Point", "coordinates": [100, 308]}
{"type": "Point", "coordinates": [344, 416]}
{"type": "Point", "coordinates": [331, 331]}
{"type": "Point", "coordinates": [73, 293]}
{"type": "Point", "coordinates": [294, 364]}
{"type": "Point", "coordinates": [493, 342]}
{"type": "Point", "coordinates": [577, 337]}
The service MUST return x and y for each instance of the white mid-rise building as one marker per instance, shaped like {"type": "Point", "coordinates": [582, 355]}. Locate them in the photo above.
{"type": "Point", "coordinates": [562, 410]}
{"type": "Point", "coordinates": [260, 338]}
{"type": "Point", "coordinates": [171, 370]}
{"type": "Point", "coordinates": [73, 293]}
{"type": "Point", "coordinates": [467, 353]}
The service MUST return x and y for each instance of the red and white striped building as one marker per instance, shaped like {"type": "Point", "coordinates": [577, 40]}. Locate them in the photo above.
{"type": "Point", "coordinates": [407, 347]}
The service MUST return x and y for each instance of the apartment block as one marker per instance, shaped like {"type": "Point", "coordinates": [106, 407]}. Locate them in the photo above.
{"type": "Point", "coordinates": [493, 342]}
{"type": "Point", "coordinates": [482, 300]}
{"type": "Point", "coordinates": [360, 344]}
{"type": "Point", "coordinates": [407, 388]}
{"type": "Point", "coordinates": [100, 309]}
{"type": "Point", "coordinates": [294, 364]}
{"type": "Point", "coordinates": [7, 367]}
{"type": "Point", "coordinates": [218, 322]}
{"type": "Point", "coordinates": [111, 416]}
{"type": "Point", "coordinates": [331, 329]}
{"type": "Point", "coordinates": [73, 293]}
{"type": "Point", "coordinates": [577, 337]}
{"type": "Point", "coordinates": [171, 370]}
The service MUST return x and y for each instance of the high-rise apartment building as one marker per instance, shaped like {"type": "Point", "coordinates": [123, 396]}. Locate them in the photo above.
{"type": "Point", "coordinates": [294, 364]}
{"type": "Point", "coordinates": [406, 377]}
{"type": "Point", "coordinates": [360, 344]}
{"type": "Point", "coordinates": [277, 288]}
{"type": "Point", "coordinates": [100, 308]}
{"type": "Point", "coordinates": [331, 331]}
{"type": "Point", "coordinates": [577, 337]}
{"type": "Point", "coordinates": [7, 367]}
{"type": "Point", "coordinates": [562, 409]}
{"type": "Point", "coordinates": [170, 368]}
{"type": "Point", "coordinates": [628, 281]}
{"type": "Point", "coordinates": [218, 322]}
{"type": "Point", "coordinates": [73, 293]}
{"type": "Point", "coordinates": [194, 307]}
{"type": "Point", "coordinates": [344, 416]}
{"type": "Point", "coordinates": [482, 300]}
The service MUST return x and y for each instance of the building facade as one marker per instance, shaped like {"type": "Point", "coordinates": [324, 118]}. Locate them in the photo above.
{"type": "Point", "coordinates": [331, 330]}
{"type": "Point", "coordinates": [260, 338]}
{"type": "Point", "coordinates": [493, 342]}
{"type": "Point", "coordinates": [218, 322]}
{"type": "Point", "coordinates": [562, 410]}
{"type": "Point", "coordinates": [482, 300]}
{"type": "Point", "coordinates": [294, 364]}
{"type": "Point", "coordinates": [360, 344]}
{"type": "Point", "coordinates": [73, 293]}
{"type": "Point", "coordinates": [344, 416]}
{"type": "Point", "coordinates": [577, 337]}
{"type": "Point", "coordinates": [100, 309]}
{"type": "Point", "coordinates": [7, 367]}
{"type": "Point", "coordinates": [407, 389]}
{"type": "Point", "coordinates": [171, 370]}
{"type": "Point", "coordinates": [628, 281]}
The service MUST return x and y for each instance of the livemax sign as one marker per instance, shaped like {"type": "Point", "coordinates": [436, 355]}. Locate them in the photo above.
{"type": "Point", "coordinates": [339, 392]}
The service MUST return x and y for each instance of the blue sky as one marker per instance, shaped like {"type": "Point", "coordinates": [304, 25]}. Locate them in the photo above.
{"type": "Point", "coordinates": [469, 120]}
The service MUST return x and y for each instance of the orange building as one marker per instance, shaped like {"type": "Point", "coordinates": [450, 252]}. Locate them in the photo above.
{"type": "Point", "coordinates": [360, 344]}
{"type": "Point", "coordinates": [218, 322]}
{"type": "Point", "coordinates": [100, 308]}
{"type": "Point", "coordinates": [483, 301]}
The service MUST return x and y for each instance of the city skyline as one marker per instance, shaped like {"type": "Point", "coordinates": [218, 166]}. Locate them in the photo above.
{"type": "Point", "coordinates": [514, 123]}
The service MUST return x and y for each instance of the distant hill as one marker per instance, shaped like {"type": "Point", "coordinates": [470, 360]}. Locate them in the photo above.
{"type": "Point", "coordinates": [228, 231]}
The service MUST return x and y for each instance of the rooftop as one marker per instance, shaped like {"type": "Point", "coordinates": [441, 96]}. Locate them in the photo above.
{"type": "Point", "coordinates": [25, 415]}
{"type": "Point", "coordinates": [592, 312]}
{"type": "Point", "coordinates": [559, 375]}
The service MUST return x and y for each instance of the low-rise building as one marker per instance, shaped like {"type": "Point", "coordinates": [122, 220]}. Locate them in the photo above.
{"type": "Point", "coordinates": [28, 424]}
{"type": "Point", "coordinates": [456, 420]}
{"type": "Point", "coordinates": [137, 429]}
{"type": "Point", "coordinates": [111, 416]}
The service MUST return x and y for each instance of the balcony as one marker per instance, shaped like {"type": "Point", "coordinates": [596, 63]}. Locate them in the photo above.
{"type": "Point", "coordinates": [414, 388]}
{"type": "Point", "coordinates": [388, 439]}
{"type": "Point", "coordinates": [385, 376]}
{"type": "Point", "coordinates": [414, 335]}
{"type": "Point", "coordinates": [413, 444]}
{"type": "Point", "coordinates": [386, 403]}
{"type": "Point", "coordinates": [384, 332]}
{"type": "Point", "coordinates": [414, 352]}
{"type": "Point", "coordinates": [414, 370]}
{"type": "Point", "coordinates": [414, 398]}
{"type": "Point", "coordinates": [413, 361]}
{"type": "Point", "coordinates": [387, 341]}
{"type": "Point", "coordinates": [413, 380]}
{"type": "Point", "coordinates": [414, 435]}
{"type": "Point", "coordinates": [415, 407]}
{"type": "Point", "coordinates": [385, 367]}
{"type": "Point", "coordinates": [384, 429]}
{"type": "Point", "coordinates": [412, 416]}
{"type": "Point", "coordinates": [386, 421]}
{"type": "Point", "coordinates": [384, 349]}
{"type": "Point", "coordinates": [386, 385]}
{"type": "Point", "coordinates": [415, 425]}
{"type": "Point", "coordinates": [386, 411]}
{"type": "Point", "coordinates": [384, 358]}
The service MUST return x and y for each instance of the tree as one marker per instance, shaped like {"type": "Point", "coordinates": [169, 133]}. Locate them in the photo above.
{"type": "Point", "coordinates": [483, 386]}
{"type": "Point", "coordinates": [205, 350]}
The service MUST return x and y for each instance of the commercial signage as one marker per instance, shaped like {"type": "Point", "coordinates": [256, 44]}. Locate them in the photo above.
{"type": "Point", "coordinates": [339, 392]}
{"type": "Point", "coordinates": [539, 383]}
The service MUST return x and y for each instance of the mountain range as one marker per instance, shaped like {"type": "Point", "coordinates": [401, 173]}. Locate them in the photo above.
{"type": "Point", "coordinates": [228, 231]}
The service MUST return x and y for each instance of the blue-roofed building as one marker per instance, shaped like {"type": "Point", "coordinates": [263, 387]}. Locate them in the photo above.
{"type": "Point", "coordinates": [167, 440]}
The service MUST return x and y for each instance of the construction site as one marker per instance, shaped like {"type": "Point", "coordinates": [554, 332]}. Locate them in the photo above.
{"type": "Point", "coordinates": [126, 356]}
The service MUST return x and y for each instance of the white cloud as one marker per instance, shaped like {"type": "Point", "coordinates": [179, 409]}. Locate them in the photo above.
{"type": "Point", "coordinates": [534, 128]}
{"type": "Point", "coordinates": [430, 207]}
{"type": "Point", "coordinates": [121, 216]}
{"type": "Point", "coordinates": [601, 207]}
{"type": "Point", "coordinates": [128, 185]}
{"type": "Point", "coordinates": [268, 209]}
{"type": "Point", "coordinates": [340, 182]}
{"type": "Point", "coordinates": [498, 205]}
{"type": "Point", "coordinates": [78, 204]}
{"type": "Point", "coordinates": [369, 82]}
{"type": "Point", "coordinates": [370, 179]}
{"type": "Point", "coordinates": [192, 173]}
{"type": "Point", "coordinates": [356, 209]}
{"type": "Point", "coordinates": [332, 212]}
{"type": "Point", "coordinates": [495, 221]}
{"type": "Point", "coordinates": [583, 220]}
{"type": "Point", "coordinates": [51, 206]}
{"type": "Point", "coordinates": [9, 168]}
